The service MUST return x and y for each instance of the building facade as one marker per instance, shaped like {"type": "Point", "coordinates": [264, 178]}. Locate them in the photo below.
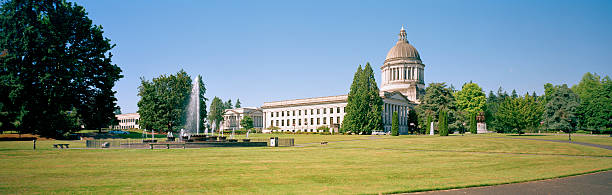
{"type": "Point", "coordinates": [127, 121]}
{"type": "Point", "coordinates": [402, 86]}
{"type": "Point", "coordinates": [232, 118]}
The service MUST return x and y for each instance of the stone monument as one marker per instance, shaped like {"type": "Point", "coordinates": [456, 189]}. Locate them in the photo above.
{"type": "Point", "coordinates": [481, 126]}
{"type": "Point", "coordinates": [431, 129]}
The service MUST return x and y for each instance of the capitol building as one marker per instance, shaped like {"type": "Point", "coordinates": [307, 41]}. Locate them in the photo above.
{"type": "Point", "coordinates": [402, 87]}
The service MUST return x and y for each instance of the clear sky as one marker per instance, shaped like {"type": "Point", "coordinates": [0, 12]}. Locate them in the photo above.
{"type": "Point", "coordinates": [262, 51]}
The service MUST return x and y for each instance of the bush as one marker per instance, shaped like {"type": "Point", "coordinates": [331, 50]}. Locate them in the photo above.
{"type": "Point", "coordinates": [395, 124]}
{"type": "Point", "coordinates": [443, 123]}
{"type": "Point", "coordinates": [473, 129]}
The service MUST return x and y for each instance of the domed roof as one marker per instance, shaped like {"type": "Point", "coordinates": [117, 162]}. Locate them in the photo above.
{"type": "Point", "coordinates": [403, 49]}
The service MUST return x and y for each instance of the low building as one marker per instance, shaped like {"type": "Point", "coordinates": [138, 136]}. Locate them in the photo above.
{"type": "Point", "coordinates": [127, 121]}
{"type": "Point", "coordinates": [232, 118]}
{"type": "Point", "coordinates": [306, 115]}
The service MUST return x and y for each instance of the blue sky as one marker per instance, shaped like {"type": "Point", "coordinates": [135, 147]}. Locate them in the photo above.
{"type": "Point", "coordinates": [262, 51]}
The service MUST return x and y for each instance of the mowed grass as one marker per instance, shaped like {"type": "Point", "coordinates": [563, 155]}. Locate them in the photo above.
{"type": "Point", "coordinates": [364, 165]}
{"type": "Point", "coordinates": [593, 139]}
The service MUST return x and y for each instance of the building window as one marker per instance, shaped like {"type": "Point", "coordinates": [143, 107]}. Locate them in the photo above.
{"type": "Point", "coordinates": [282, 113]}
{"type": "Point", "coordinates": [324, 120]}
{"type": "Point", "coordinates": [311, 111]}
{"type": "Point", "coordinates": [276, 114]}
{"type": "Point", "coordinates": [338, 120]}
{"type": "Point", "coordinates": [338, 110]}
{"type": "Point", "coordinates": [282, 122]}
{"type": "Point", "coordinates": [318, 111]}
{"type": "Point", "coordinates": [312, 121]}
{"type": "Point", "coordinates": [272, 123]}
{"type": "Point", "coordinates": [288, 122]}
{"type": "Point", "coordinates": [299, 121]}
{"type": "Point", "coordinates": [293, 122]}
{"type": "Point", "coordinates": [331, 110]}
{"type": "Point", "coordinates": [331, 120]}
{"type": "Point", "coordinates": [277, 123]}
{"type": "Point", "coordinates": [318, 121]}
{"type": "Point", "coordinates": [299, 112]}
{"type": "Point", "coordinates": [294, 113]}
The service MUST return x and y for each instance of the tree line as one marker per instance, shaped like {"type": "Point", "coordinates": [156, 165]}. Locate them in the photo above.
{"type": "Point", "coordinates": [585, 106]}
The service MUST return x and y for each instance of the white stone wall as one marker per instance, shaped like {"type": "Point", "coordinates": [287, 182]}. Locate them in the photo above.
{"type": "Point", "coordinates": [305, 118]}
{"type": "Point", "coordinates": [127, 121]}
{"type": "Point", "coordinates": [232, 118]}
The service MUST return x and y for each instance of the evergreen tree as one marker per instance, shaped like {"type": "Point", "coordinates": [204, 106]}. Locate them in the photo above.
{"type": "Point", "coordinates": [238, 104]}
{"type": "Point", "coordinates": [514, 94]}
{"type": "Point", "coordinates": [374, 102]}
{"type": "Point", "coordinates": [228, 105]}
{"type": "Point", "coordinates": [473, 129]}
{"type": "Point", "coordinates": [203, 112]}
{"type": "Point", "coordinates": [215, 115]}
{"type": "Point", "coordinates": [437, 97]}
{"type": "Point", "coordinates": [492, 106]}
{"type": "Point", "coordinates": [352, 119]}
{"type": "Point", "coordinates": [395, 124]}
{"type": "Point", "coordinates": [443, 123]}
{"type": "Point", "coordinates": [561, 110]}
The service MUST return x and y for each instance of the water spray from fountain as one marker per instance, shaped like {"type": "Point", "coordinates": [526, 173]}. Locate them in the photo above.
{"type": "Point", "coordinates": [192, 122]}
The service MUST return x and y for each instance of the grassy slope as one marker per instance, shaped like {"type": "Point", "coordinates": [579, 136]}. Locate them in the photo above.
{"type": "Point", "coordinates": [343, 167]}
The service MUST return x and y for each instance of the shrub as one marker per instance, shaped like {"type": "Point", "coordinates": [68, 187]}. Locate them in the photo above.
{"type": "Point", "coordinates": [395, 124]}
{"type": "Point", "coordinates": [473, 123]}
{"type": "Point", "coordinates": [443, 123]}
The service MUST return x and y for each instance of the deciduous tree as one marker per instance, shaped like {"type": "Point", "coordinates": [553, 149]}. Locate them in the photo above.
{"type": "Point", "coordinates": [57, 68]}
{"type": "Point", "coordinates": [163, 101]}
{"type": "Point", "coordinates": [246, 122]}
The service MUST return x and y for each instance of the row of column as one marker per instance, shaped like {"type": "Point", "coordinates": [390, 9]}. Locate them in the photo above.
{"type": "Point", "coordinates": [404, 73]}
{"type": "Point", "coordinates": [402, 112]}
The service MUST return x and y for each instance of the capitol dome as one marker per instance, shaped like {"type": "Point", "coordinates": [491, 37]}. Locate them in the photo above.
{"type": "Point", "coordinates": [403, 50]}
{"type": "Point", "coordinates": [403, 71]}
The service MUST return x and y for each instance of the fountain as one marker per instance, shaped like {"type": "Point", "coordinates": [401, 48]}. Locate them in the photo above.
{"type": "Point", "coordinates": [192, 121]}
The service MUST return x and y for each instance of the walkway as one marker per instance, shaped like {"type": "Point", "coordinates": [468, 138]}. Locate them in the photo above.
{"type": "Point", "coordinates": [594, 183]}
{"type": "Point", "coordinates": [563, 141]}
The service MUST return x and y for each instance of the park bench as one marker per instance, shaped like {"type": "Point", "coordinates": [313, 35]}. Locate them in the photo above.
{"type": "Point", "coordinates": [60, 145]}
{"type": "Point", "coordinates": [166, 144]}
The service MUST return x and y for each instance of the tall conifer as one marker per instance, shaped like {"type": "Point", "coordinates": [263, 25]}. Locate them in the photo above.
{"type": "Point", "coordinates": [374, 102]}
{"type": "Point", "coordinates": [350, 122]}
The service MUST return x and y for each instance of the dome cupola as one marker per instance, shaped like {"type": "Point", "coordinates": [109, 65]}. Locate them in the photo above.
{"type": "Point", "coordinates": [403, 50]}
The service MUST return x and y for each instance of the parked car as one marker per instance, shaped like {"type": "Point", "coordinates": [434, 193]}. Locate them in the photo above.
{"type": "Point", "coordinates": [378, 133]}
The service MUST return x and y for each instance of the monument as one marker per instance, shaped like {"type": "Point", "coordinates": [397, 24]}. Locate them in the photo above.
{"type": "Point", "coordinates": [481, 126]}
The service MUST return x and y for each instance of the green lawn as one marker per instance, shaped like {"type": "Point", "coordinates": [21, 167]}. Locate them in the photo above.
{"type": "Point", "coordinates": [365, 165]}
{"type": "Point", "coordinates": [594, 139]}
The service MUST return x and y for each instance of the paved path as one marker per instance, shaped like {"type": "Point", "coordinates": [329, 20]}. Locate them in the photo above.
{"type": "Point", "coordinates": [595, 183]}
{"type": "Point", "coordinates": [563, 141]}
